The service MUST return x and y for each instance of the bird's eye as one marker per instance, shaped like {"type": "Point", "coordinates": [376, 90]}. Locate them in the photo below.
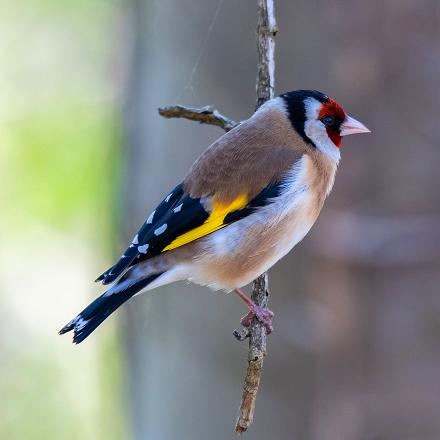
{"type": "Point", "coordinates": [328, 120]}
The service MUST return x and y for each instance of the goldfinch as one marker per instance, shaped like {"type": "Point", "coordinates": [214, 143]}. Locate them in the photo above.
{"type": "Point", "coordinates": [245, 203]}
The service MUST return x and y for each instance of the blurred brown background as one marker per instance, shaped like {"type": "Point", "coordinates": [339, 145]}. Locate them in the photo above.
{"type": "Point", "coordinates": [356, 351]}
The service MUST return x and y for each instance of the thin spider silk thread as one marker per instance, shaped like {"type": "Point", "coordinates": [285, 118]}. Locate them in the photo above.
{"type": "Point", "coordinates": [189, 84]}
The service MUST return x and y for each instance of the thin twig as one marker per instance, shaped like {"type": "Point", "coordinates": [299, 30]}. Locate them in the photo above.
{"type": "Point", "coordinates": [266, 31]}
{"type": "Point", "coordinates": [205, 115]}
{"type": "Point", "coordinates": [256, 354]}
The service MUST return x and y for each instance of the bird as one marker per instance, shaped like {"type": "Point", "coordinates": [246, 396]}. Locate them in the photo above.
{"type": "Point", "coordinates": [247, 200]}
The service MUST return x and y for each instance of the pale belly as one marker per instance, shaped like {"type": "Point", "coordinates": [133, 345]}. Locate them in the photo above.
{"type": "Point", "coordinates": [237, 254]}
{"type": "Point", "coordinates": [234, 256]}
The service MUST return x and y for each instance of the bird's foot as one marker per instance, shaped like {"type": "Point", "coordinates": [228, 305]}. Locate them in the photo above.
{"type": "Point", "coordinates": [263, 314]}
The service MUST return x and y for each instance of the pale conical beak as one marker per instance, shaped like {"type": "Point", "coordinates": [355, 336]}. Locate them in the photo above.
{"type": "Point", "coordinates": [352, 126]}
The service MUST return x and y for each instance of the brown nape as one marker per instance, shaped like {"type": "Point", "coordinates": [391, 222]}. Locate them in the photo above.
{"type": "Point", "coordinates": [259, 151]}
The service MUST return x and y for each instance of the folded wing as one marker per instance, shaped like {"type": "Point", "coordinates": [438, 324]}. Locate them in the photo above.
{"type": "Point", "coordinates": [181, 219]}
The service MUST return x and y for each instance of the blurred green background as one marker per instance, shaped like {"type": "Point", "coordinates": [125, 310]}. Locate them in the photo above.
{"type": "Point", "coordinates": [84, 158]}
{"type": "Point", "coordinates": [58, 149]}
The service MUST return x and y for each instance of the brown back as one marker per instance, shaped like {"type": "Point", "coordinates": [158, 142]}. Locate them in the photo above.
{"type": "Point", "coordinates": [257, 152]}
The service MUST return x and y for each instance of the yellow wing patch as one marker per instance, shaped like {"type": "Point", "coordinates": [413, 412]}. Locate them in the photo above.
{"type": "Point", "coordinates": [211, 224]}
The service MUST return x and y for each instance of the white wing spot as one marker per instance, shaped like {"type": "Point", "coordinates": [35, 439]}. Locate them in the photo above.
{"type": "Point", "coordinates": [178, 208]}
{"type": "Point", "coordinates": [161, 230]}
{"type": "Point", "coordinates": [150, 219]}
{"type": "Point", "coordinates": [168, 197]}
{"type": "Point", "coordinates": [143, 249]}
{"type": "Point", "coordinates": [136, 239]}
{"type": "Point", "coordinates": [80, 323]}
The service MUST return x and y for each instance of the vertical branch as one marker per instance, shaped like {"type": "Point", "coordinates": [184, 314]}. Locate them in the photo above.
{"type": "Point", "coordinates": [266, 31]}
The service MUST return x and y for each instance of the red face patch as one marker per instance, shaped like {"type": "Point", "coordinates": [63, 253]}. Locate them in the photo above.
{"type": "Point", "coordinates": [333, 110]}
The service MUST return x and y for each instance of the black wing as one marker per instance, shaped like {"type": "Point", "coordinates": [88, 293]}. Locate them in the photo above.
{"type": "Point", "coordinates": [177, 214]}
{"type": "Point", "coordinates": [154, 236]}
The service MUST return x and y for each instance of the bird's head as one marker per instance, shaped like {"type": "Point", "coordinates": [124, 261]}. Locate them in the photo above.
{"type": "Point", "coordinates": [320, 120]}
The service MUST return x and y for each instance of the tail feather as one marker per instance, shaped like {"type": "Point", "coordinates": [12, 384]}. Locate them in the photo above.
{"type": "Point", "coordinates": [96, 312]}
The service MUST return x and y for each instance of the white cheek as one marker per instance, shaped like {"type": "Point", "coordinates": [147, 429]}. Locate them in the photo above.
{"type": "Point", "coordinates": [317, 132]}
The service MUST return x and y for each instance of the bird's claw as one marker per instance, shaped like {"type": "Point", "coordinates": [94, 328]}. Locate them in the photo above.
{"type": "Point", "coordinates": [263, 314]}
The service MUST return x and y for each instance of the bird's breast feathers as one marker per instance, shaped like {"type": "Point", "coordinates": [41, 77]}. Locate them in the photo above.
{"type": "Point", "coordinates": [237, 254]}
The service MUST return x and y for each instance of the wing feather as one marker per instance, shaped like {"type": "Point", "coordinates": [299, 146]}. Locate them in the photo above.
{"type": "Point", "coordinates": [140, 244]}
{"type": "Point", "coordinates": [182, 220]}
{"type": "Point", "coordinates": [215, 221]}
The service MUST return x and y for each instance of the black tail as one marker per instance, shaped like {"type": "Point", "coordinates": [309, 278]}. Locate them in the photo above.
{"type": "Point", "coordinates": [96, 312]}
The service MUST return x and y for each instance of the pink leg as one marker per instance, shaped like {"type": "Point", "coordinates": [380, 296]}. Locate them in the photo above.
{"type": "Point", "coordinates": [263, 314]}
